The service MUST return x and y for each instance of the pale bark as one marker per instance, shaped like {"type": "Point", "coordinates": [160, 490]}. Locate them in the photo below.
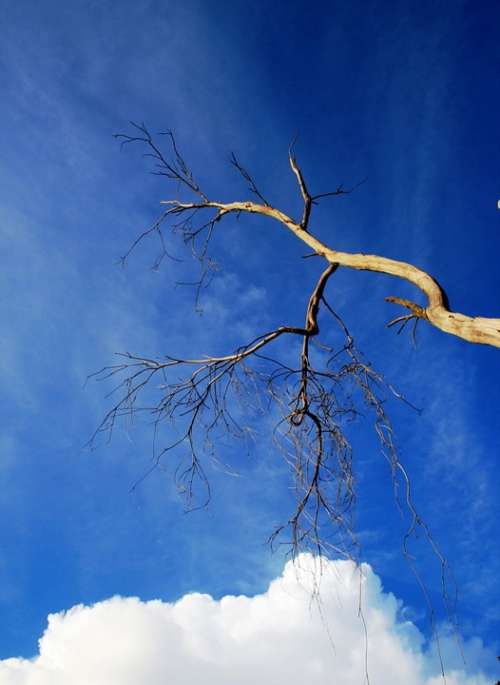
{"type": "Point", "coordinates": [315, 399]}
{"type": "Point", "coordinates": [474, 329]}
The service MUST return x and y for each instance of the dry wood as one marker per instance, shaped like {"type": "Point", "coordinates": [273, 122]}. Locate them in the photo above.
{"type": "Point", "coordinates": [316, 399]}
{"type": "Point", "coordinates": [475, 329]}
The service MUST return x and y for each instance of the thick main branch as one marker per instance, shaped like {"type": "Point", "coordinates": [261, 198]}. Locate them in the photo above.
{"type": "Point", "coordinates": [474, 329]}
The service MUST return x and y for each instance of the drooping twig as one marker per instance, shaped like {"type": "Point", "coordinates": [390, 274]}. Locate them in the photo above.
{"type": "Point", "coordinates": [315, 398]}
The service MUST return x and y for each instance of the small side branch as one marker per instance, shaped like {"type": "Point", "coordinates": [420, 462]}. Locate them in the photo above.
{"type": "Point", "coordinates": [248, 178]}
{"type": "Point", "coordinates": [417, 311]}
{"type": "Point", "coordinates": [175, 169]}
{"type": "Point", "coordinates": [309, 199]}
{"type": "Point", "coordinates": [303, 189]}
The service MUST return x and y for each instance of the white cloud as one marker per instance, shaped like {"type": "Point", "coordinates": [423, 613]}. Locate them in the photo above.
{"type": "Point", "coordinates": [279, 636]}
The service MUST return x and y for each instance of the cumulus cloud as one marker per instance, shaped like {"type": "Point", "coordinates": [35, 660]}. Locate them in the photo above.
{"type": "Point", "coordinates": [283, 635]}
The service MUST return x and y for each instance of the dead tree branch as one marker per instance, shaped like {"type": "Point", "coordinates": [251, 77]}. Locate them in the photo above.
{"type": "Point", "coordinates": [315, 399]}
{"type": "Point", "coordinates": [474, 329]}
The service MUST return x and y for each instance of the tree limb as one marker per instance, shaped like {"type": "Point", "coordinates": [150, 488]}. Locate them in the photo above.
{"type": "Point", "coordinates": [477, 329]}
{"type": "Point", "coordinates": [316, 399]}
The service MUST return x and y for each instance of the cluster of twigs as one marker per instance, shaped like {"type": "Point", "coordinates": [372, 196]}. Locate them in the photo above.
{"type": "Point", "coordinates": [316, 398]}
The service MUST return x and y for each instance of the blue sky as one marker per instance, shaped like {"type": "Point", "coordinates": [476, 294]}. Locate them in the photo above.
{"type": "Point", "coordinates": [405, 94]}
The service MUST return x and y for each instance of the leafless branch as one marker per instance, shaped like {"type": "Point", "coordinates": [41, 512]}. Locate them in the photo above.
{"type": "Point", "coordinates": [247, 177]}
{"type": "Point", "coordinates": [315, 400]}
{"type": "Point", "coordinates": [175, 169]}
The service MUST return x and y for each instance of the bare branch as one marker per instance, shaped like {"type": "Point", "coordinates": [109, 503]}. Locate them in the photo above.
{"type": "Point", "coordinates": [176, 170]}
{"type": "Point", "coordinates": [339, 191]}
{"type": "Point", "coordinates": [437, 312]}
{"type": "Point", "coordinates": [477, 329]}
{"type": "Point", "coordinates": [196, 401]}
{"type": "Point", "coordinates": [303, 189]}
{"type": "Point", "coordinates": [247, 177]}
{"type": "Point", "coordinates": [156, 227]}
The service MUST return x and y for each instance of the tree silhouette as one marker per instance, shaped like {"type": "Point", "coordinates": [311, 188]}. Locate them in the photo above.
{"type": "Point", "coordinates": [315, 397]}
